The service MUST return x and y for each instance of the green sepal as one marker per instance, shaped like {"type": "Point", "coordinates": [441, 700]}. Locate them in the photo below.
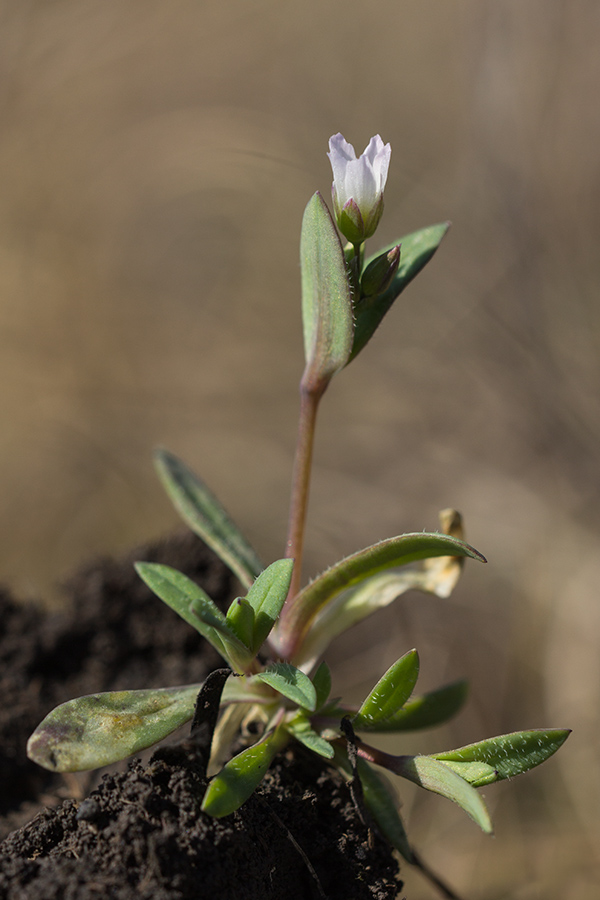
{"type": "Point", "coordinates": [389, 694]}
{"type": "Point", "coordinates": [437, 777]}
{"type": "Point", "coordinates": [506, 755]}
{"type": "Point", "coordinates": [291, 683]}
{"type": "Point", "coordinates": [240, 777]}
{"type": "Point", "coordinates": [203, 513]}
{"type": "Point", "coordinates": [197, 609]}
{"type": "Point", "coordinates": [267, 596]}
{"type": "Point", "coordinates": [300, 728]}
{"type": "Point", "coordinates": [326, 297]}
{"type": "Point", "coordinates": [430, 709]}
{"type": "Point", "coordinates": [417, 250]}
{"type": "Point", "coordinates": [296, 621]}
{"type": "Point", "coordinates": [101, 729]}
{"type": "Point", "coordinates": [322, 684]}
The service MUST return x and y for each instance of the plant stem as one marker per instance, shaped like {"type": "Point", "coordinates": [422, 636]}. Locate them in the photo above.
{"type": "Point", "coordinates": [310, 396]}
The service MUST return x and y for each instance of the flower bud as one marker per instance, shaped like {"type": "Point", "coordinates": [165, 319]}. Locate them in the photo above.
{"type": "Point", "coordinates": [378, 275]}
{"type": "Point", "coordinates": [358, 186]}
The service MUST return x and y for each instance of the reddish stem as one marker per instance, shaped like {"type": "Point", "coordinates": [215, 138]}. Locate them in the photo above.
{"type": "Point", "coordinates": [309, 404]}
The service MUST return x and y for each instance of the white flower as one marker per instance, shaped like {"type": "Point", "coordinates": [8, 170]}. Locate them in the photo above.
{"type": "Point", "coordinates": [358, 185]}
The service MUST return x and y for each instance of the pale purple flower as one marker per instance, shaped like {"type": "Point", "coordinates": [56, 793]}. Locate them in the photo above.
{"type": "Point", "coordinates": [358, 185]}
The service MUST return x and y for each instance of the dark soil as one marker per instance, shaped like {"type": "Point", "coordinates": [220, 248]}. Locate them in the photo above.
{"type": "Point", "coordinates": [141, 832]}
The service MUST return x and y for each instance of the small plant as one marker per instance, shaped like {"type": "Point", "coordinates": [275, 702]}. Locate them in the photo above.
{"type": "Point", "coordinates": [274, 637]}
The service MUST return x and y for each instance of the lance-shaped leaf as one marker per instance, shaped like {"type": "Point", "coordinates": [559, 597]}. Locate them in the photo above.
{"type": "Point", "coordinates": [266, 597]}
{"type": "Point", "coordinates": [383, 806]}
{"type": "Point", "coordinates": [297, 619]}
{"type": "Point", "coordinates": [100, 729]}
{"type": "Point", "coordinates": [195, 606]}
{"type": "Point", "coordinates": [436, 576]}
{"type": "Point", "coordinates": [416, 251]}
{"type": "Point", "coordinates": [437, 777]}
{"type": "Point", "coordinates": [241, 776]}
{"type": "Point", "coordinates": [291, 683]}
{"type": "Point", "coordinates": [303, 731]}
{"type": "Point", "coordinates": [380, 800]}
{"type": "Point", "coordinates": [389, 694]}
{"type": "Point", "coordinates": [322, 684]}
{"type": "Point", "coordinates": [326, 299]}
{"type": "Point", "coordinates": [200, 509]}
{"type": "Point", "coordinates": [504, 756]}
{"type": "Point", "coordinates": [428, 710]}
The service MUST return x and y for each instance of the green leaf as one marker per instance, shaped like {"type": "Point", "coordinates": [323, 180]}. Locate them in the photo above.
{"type": "Point", "coordinates": [389, 694]}
{"type": "Point", "coordinates": [291, 683]}
{"type": "Point", "coordinates": [326, 298]}
{"type": "Point", "coordinates": [241, 776]}
{"type": "Point", "coordinates": [416, 251]}
{"type": "Point", "coordinates": [267, 596]}
{"type": "Point", "coordinates": [322, 684]}
{"type": "Point", "coordinates": [100, 729]}
{"type": "Point", "coordinates": [435, 776]}
{"type": "Point", "coordinates": [192, 604]}
{"type": "Point", "coordinates": [201, 510]}
{"type": "Point", "coordinates": [393, 552]}
{"type": "Point", "coordinates": [431, 709]}
{"type": "Point", "coordinates": [240, 618]}
{"type": "Point", "coordinates": [508, 754]}
{"type": "Point", "coordinates": [380, 800]}
{"type": "Point", "coordinates": [383, 806]}
{"type": "Point", "coordinates": [436, 576]}
{"type": "Point", "coordinates": [300, 728]}
{"type": "Point", "coordinates": [476, 773]}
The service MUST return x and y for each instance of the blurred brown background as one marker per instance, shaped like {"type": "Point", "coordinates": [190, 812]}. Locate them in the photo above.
{"type": "Point", "coordinates": [155, 162]}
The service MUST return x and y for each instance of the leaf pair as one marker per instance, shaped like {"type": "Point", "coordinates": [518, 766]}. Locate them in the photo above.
{"type": "Point", "coordinates": [336, 328]}
{"type": "Point", "coordinates": [239, 635]}
{"type": "Point", "coordinates": [456, 773]}
{"type": "Point", "coordinates": [388, 707]}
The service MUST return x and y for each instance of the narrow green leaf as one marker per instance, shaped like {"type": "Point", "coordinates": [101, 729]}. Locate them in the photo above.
{"type": "Point", "coordinates": [510, 754]}
{"type": "Point", "coordinates": [383, 806]}
{"type": "Point", "coordinates": [202, 512]}
{"type": "Point", "coordinates": [240, 618]}
{"type": "Point", "coordinates": [436, 576]}
{"type": "Point", "coordinates": [434, 776]}
{"type": "Point", "coordinates": [416, 251]}
{"type": "Point", "coordinates": [197, 609]}
{"type": "Point", "coordinates": [381, 802]}
{"type": "Point", "coordinates": [267, 596]}
{"type": "Point", "coordinates": [291, 683]}
{"type": "Point", "coordinates": [326, 298]}
{"type": "Point", "coordinates": [100, 729]}
{"type": "Point", "coordinates": [431, 709]}
{"type": "Point", "coordinates": [389, 694]}
{"type": "Point", "coordinates": [391, 553]}
{"type": "Point", "coordinates": [241, 776]}
{"type": "Point", "coordinates": [301, 729]}
{"type": "Point", "coordinates": [322, 684]}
